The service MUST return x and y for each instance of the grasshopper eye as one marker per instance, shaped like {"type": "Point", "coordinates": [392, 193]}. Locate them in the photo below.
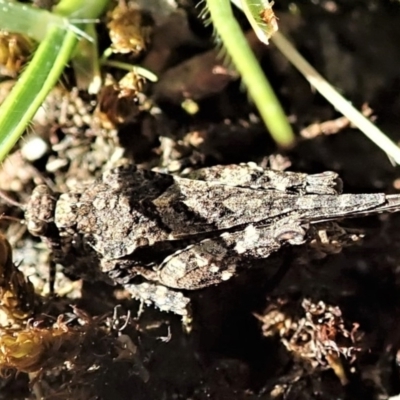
{"type": "Point", "coordinates": [39, 212]}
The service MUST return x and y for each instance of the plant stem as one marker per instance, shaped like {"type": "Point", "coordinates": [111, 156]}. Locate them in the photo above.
{"type": "Point", "coordinates": [252, 75]}
{"type": "Point", "coordinates": [336, 99]}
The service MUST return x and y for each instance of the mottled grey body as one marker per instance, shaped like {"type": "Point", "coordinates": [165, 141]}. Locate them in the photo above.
{"type": "Point", "coordinates": [191, 232]}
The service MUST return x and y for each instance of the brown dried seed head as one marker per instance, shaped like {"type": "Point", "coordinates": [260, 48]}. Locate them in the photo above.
{"type": "Point", "coordinates": [14, 51]}
{"type": "Point", "coordinates": [17, 295]}
{"type": "Point", "coordinates": [129, 30]}
{"type": "Point", "coordinates": [119, 102]}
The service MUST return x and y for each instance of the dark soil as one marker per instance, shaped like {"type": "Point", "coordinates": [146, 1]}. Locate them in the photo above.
{"type": "Point", "coordinates": [355, 45]}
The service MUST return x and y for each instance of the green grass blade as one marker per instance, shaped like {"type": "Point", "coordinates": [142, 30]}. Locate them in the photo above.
{"type": "Point", "coordinates": [46, 66]}
{"type": "Point", "coordinates": [252, 75]}
{"type": "Point", "coordinates": [33, 86]}
{"type": "Point", "coordinates": [27, 20]}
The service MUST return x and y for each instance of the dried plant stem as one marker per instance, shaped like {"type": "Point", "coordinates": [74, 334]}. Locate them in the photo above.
{"type": "Point", "coordinates": [338, 101]}
{"type": "Point", "coordinates": [318, 82]}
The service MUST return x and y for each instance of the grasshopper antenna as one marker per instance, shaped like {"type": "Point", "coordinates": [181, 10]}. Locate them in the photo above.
{"type": "Point", "coordinates": [11, 201]}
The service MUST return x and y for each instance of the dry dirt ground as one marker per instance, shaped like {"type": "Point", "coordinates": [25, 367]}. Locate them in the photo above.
{"type": "Point", "coordinates": [265, 334]}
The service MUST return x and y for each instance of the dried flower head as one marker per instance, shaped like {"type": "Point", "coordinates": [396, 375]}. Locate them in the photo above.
{"type": "Point", "coordinates": [121, 102]}
{"type": "Point", "coordinates": [14, 51]}
{"type": "Point", "coordinates": [129, 29]}
{"type": "Point", "coordinates": [319, 337]}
